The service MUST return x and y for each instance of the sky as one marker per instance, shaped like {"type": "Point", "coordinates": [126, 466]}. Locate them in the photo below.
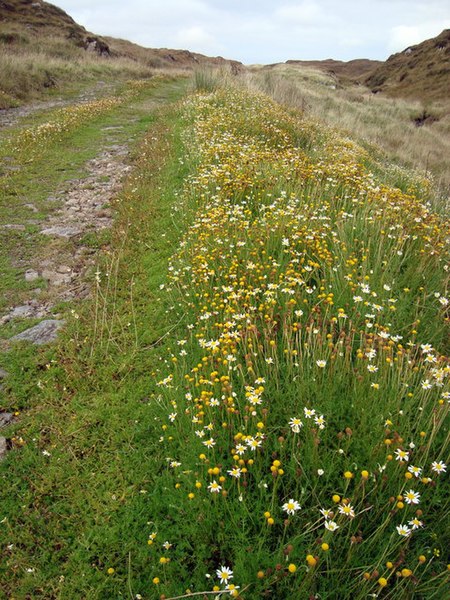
{"type": "Point", "coordinates": [264, 31]}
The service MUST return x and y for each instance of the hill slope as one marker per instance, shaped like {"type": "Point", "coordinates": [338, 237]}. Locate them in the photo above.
{"type": "Point", "coordinates": [22, 20]}
{"type": "Point", "coordinates": [41, 46]}
{"type": "Point", "coordinates": [421, 71]}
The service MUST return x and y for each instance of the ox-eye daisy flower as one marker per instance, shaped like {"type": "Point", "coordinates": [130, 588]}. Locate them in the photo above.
{"type": "Point", "coordinates": [214, 487]}
{"type": "Point", "coordinates": [346, 509]}
{"type": "Point", "coordinates": [291, 506]}
{"type": "Point", "coordinates": [438, 467]}
{"type": "Point", "coordinates": [415, 523]}
{"type": "Point", "coordinates": [403, 530]}
{"type": "Point", "coordinates": [235, 472]}
{"type": "Point", "coordinates": [233, 589]}
{"type": "Point", "coordinates": [224, 574]}
{"type": "Point", "coordinates": [253, 443]}
{"type": "Point", "coordinates": [412, 497]}
{"type": "Point", "coordinates": [416, 471]}
{"type": "Point", "coordinates": [295, 423]}
{"type": "Point", "coordinates": [240, 449]}
{"type": "Point", "coordinates": [320, 421]}
{"type": "Point", "coordinates": [401, 455]}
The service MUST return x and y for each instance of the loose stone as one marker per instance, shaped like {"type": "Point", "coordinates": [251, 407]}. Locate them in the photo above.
{"type": "Point", "coordinates": [3, 448]}
{"type": "Point", "coordinates": [43, 333]}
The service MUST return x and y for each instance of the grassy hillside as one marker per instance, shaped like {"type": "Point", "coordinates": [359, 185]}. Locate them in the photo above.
{"type": "Point", "coordinates": [256, 398]}
{"type": "Point", "coordinates": [396, 130]}
{"type": "Point", "coordinates": [420, 72]}
{"type": "Point", "coordinates": [44, 51]}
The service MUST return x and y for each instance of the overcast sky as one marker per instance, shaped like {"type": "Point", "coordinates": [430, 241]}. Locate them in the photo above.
{"type": "Point", "coordinates": [266, 31]}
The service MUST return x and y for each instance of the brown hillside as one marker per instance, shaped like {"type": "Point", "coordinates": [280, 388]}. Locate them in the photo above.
{"type": "Point", "coordinates": [35, 14]}
{"type": "Point", "coordinates": [22, 20]}
{"type": "Point", "coordinates": [420, 72]}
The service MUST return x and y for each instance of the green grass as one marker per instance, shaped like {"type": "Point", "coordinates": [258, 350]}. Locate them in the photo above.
{"type": "Point", "coordinates": [243, 238]}
{"type": "Point", "coordinates": [84, 500]}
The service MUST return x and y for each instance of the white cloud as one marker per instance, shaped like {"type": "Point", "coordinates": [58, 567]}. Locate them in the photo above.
{"type": "Point", "coordinates": [403, 36]}
{"type": "Point", "coordinates": [304, 12]}
{"type": "Point", "coordinates": [197, 39]}
{"type": "Point", "coordinates": [267, 31]}
{"type": "Point", "coordinates": [349, 41]}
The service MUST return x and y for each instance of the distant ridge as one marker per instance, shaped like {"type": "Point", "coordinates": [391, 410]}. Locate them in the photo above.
{"type": "Point", "coordinates": [168, 58]}
{"type": "Point", "coordinates": [352, 69]}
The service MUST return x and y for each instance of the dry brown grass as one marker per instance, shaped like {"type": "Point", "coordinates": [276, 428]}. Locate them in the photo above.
{"type": "Point", "coordinates": [25, 75]}
{"type": "Point", "coordinates": [387, 123]}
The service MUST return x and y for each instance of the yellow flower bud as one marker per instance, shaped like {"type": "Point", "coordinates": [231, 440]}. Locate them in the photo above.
{"type": "Point", "coordinates": [312, 562]}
